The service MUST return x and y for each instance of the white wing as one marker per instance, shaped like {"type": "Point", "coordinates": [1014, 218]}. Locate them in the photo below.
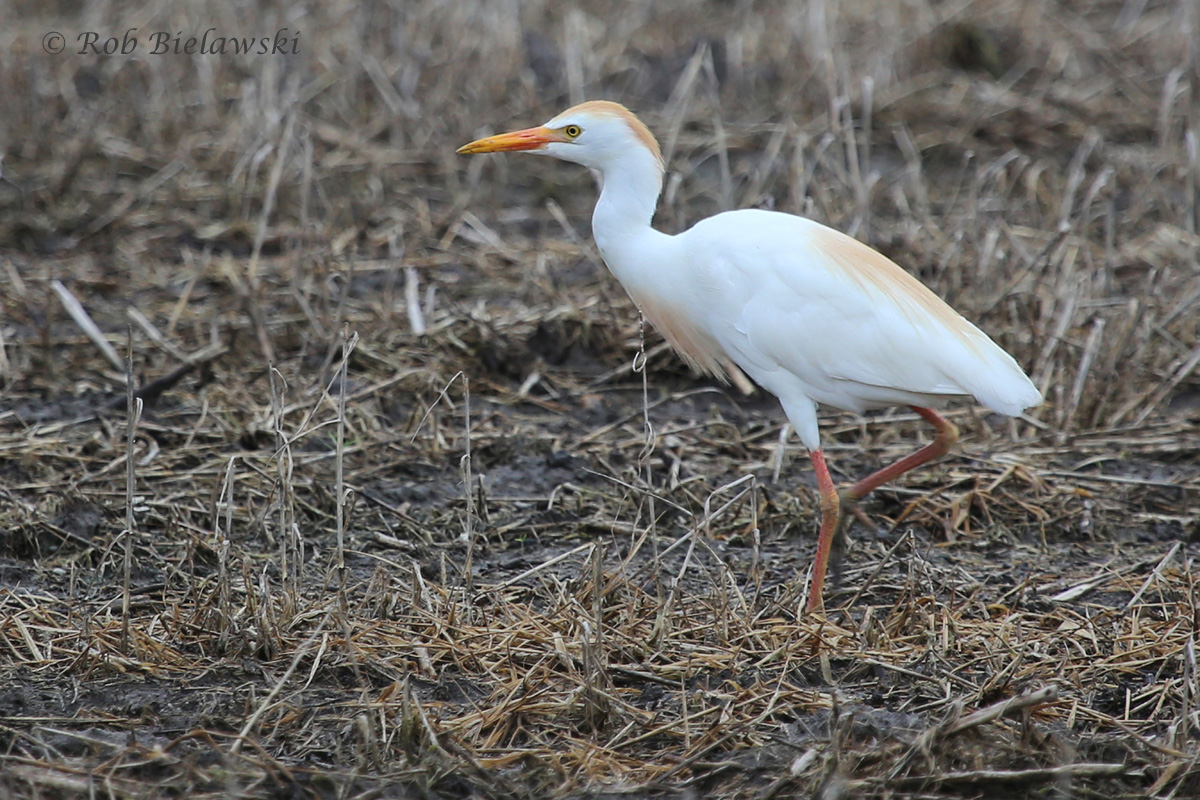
{"type": "Point", "coordinates": [783, 294]}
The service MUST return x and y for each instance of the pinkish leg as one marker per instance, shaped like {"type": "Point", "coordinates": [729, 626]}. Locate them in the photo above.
{"type": "Point", "coordinates": [946, 434]}
{"type": "Point", "coordinates": [829, 523]}
{"type": "Point", "coordinates": [837, 506]}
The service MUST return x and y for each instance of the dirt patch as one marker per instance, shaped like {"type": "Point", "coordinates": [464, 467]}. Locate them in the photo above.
{"type": "Point", "coordinates": [398, 517]}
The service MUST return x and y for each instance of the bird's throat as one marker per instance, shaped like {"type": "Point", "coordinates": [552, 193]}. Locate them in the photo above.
{"type": "Point", "coordinates": [628, 197]}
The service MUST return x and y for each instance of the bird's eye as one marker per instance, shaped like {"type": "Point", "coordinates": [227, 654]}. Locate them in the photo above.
{"type": "Point", "coordinates": [572, 131]}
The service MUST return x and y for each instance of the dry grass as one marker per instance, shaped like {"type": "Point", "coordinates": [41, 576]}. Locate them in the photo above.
{"type": "Point", "coordinates": [396, 518]}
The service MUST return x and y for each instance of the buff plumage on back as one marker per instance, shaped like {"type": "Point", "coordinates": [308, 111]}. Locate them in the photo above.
{"type": "Point", "coordinates": [636, 126]}
{"type": "Point", "coordinates": [864, 266]}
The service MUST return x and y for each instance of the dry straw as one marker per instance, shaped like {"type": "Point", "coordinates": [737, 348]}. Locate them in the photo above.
{"type": "Point", "coordinates": [328, 567]}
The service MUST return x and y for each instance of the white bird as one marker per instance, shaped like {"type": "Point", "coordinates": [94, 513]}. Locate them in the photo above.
{"type": "Point", "coordinates": [812, 315]}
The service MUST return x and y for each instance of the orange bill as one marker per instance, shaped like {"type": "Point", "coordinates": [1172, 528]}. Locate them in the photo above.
{"type": "Point", "coordinates": [528, 139]}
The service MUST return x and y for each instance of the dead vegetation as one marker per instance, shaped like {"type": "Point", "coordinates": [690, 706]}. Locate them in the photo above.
{"type": "Point", "coordinates": [386, 511]}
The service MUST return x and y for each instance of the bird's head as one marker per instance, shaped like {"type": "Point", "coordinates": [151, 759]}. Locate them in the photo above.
{"type": "Point", "coordinates": [596, 134]}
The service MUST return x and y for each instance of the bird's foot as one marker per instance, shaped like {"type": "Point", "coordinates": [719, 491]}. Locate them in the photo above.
{"type": "Point", "coordinates": [847, 508]}
{"type": "Point", "coordinates": [848, 505]}
{"type": "Point", "coordinates": [837, 551]}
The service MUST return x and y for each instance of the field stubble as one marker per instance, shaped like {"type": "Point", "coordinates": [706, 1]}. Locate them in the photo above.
{"type": "Point", "coordinates": [392, 513]}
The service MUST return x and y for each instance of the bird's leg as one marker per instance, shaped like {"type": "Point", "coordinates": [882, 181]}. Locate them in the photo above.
{"type": "Point", "coordinates": [945, 435]}
{"type": "Point", "coordinates": [829, 524]}
{"type": "Point", "coordinates": [837, 506]}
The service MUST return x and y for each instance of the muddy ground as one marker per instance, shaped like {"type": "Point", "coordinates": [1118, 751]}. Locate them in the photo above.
{"type": "Point", "coordinates": [403, 515]}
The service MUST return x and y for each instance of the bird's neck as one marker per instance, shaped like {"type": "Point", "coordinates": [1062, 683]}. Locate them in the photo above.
{"type": "Point", "coordinates": [621, 221]}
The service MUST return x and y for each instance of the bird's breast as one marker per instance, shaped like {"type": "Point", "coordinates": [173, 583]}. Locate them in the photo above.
{"type": "Point", "coordinates": [681, 329]}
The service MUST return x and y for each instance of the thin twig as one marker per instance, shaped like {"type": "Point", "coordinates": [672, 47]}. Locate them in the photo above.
{"type": "Point", "coordinates": [89, 327]}
{"type": "Point", "coordinates": [133, 415]}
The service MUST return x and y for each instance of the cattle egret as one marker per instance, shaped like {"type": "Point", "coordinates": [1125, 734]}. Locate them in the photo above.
{"type": "Point", "coordinates": [811, 314]}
